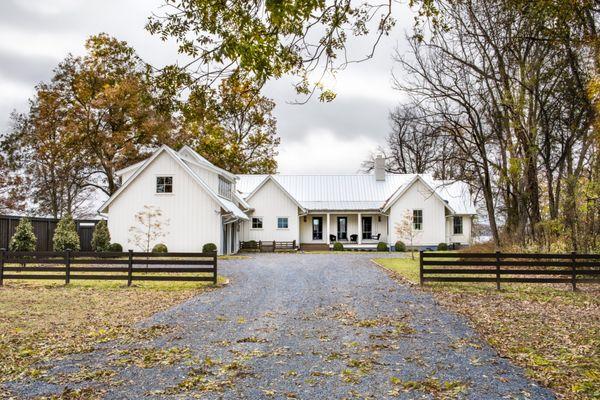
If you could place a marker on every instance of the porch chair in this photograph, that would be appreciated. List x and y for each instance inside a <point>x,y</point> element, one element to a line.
<point>354,238</point>
<point>332,238</point>
<point>376,237</point>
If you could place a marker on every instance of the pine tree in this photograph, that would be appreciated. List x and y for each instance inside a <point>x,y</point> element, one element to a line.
<point>65,235</point>
<point>101,237</point>
<point>24,239</point>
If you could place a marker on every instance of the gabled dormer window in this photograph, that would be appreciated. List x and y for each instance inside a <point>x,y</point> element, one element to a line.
<point>225,188</point>
<point>164,184</point>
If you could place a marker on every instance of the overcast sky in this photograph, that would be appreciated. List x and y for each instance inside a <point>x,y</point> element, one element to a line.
<point>316,138</point>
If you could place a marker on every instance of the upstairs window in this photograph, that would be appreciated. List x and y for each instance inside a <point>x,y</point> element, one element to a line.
<point>418,220</point>
<point>164,184</point>
<point>458,225</point>
<point>225,188</point>
<point>282,222</point>
<point>257,222</point>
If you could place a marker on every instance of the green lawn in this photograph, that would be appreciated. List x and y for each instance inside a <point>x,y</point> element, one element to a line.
<point>549,330</point>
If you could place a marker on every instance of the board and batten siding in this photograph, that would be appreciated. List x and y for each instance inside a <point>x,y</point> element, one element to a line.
<point>465,238</point>
<point>194,217</point>
<point>418,196</point>
<point>270,202</point>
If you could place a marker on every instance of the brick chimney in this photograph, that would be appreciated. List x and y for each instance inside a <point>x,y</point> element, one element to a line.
<point>379,168</point>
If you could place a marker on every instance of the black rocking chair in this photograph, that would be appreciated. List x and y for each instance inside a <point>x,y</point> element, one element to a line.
<point>332,238</point>
<point>354,238</point>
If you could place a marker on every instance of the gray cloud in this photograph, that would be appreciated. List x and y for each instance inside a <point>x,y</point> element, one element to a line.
<point>26,69</point>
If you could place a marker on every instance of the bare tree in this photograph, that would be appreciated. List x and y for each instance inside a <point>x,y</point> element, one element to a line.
<point>406,230</point>
<point>150,226</point>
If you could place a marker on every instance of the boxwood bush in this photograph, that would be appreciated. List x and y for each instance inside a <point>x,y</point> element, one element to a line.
<point>382,246</point>
<point>337,246</point>
<point>209,248</point>
<point>115,247</point>
<point>442,247</point>
<point>400,246</point>
<point>160,248</point>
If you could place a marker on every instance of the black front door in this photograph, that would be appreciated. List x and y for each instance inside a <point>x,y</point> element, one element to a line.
<point>342,228</point>
<point>317,228</point>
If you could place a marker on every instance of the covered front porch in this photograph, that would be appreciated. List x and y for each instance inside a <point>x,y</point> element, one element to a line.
<point>355,230</point>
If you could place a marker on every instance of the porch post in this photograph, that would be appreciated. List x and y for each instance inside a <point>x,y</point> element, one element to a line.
<point>327,230</point>
<point>359,228</point>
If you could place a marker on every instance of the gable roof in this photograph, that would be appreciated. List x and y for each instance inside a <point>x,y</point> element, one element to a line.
<point>200,161</point>
<point>403,189</point>
<point>227,205</point>
<point>357,192</point>
<point>269,178</point>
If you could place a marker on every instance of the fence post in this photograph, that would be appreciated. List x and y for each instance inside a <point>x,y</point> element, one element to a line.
<point>273,246</point>
<point>2,255</point>
<point>130,268</point>
<point>68,266</point>
<point>574,272</point>
<point>294,244</point>
<point>421,267</point>
<point>497,270</point>
<point>260,246</point>
<point>215,268</point>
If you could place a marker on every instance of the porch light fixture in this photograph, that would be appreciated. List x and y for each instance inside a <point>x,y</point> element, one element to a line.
<point>379,218</point>
<point>305,218</point>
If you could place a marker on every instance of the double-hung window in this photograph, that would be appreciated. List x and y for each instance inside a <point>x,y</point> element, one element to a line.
<point>257,222</point>
<point>458,225</point>
<point>164,184</point>
<point>418,220</point>
<point>282,223</point>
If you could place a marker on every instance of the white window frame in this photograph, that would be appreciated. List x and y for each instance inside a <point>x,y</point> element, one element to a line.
<point>413,220</point>
<point>172,185</point>
<point>262,223</point>
<point>287,223</point>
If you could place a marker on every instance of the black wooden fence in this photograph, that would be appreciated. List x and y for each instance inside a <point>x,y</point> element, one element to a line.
<point>43,228</point>
<point>268,246</point>
<point>126,266</point>
<point>500,268</point>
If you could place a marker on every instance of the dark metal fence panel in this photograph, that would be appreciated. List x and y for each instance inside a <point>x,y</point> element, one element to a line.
<point>44,228</point>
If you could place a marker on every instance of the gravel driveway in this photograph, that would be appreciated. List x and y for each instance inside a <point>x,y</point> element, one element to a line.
<point>307,326</point>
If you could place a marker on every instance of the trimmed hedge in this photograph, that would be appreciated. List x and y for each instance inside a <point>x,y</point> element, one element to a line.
<point>115,247</point>
<point>382,246</point>
<point>400,246</point>
<point>209,248</point>
<point>160,248</point>
<point>442,247</point>
<point>337,246</point>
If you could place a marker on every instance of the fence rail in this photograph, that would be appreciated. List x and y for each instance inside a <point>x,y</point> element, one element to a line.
<point>124,266</point>
<point>572,268</point>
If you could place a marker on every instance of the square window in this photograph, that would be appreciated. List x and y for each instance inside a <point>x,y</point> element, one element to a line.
<point>282,222</point>
<point>164,184</point>
<point>257,222</point>
<point>458,225</point>
<point>418,220</point>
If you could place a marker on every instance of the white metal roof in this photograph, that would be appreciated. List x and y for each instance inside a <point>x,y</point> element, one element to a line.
<point>356,192</point>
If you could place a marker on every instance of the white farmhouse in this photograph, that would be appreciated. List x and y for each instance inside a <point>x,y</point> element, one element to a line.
<point>206,204</point>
